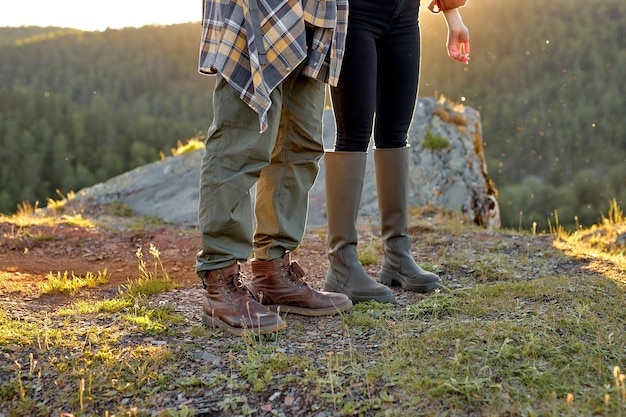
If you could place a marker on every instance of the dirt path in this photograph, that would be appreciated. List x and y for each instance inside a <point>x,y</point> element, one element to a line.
<point>31,255</point>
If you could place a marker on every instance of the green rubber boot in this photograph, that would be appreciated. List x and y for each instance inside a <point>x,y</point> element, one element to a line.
<point>398,266</point>
<point>344,173</point>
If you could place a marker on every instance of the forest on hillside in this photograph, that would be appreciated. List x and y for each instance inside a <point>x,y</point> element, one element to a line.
<point>77,108</point>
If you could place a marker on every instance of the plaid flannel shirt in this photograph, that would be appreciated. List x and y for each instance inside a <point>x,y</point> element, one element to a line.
<point>230,48</point>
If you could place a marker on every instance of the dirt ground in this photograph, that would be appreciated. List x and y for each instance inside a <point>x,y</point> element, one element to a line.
<point>29,255</point>
<point>45,250</point>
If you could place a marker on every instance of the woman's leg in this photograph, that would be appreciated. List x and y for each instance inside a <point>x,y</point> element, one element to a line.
<point>398,76</point>
<point>354,101</point>
<point>398,79</point>
<point>354,98</point>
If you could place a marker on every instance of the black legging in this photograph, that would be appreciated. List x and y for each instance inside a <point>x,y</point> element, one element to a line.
<point>379,75</point>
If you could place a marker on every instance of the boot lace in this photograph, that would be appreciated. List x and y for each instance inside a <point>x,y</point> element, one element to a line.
<point>235,287</point>
<point>295,273</point>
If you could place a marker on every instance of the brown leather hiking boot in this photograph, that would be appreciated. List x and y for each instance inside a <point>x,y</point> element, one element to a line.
<point>278,284</point>
<point>228,305</point>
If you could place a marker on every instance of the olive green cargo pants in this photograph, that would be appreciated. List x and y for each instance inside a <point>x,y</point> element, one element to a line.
<point>283,162</point>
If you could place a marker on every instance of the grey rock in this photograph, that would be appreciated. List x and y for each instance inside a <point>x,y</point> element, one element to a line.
<point>207,357</point>
<point>167,189</point>
<point>455,177</point>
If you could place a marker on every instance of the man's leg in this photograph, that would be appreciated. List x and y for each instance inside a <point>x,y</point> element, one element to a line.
<point>234,156</point>
<point>282,203</point>
<point>283,189</point>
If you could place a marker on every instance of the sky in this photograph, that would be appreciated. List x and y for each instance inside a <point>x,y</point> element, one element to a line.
<point>91,16</point>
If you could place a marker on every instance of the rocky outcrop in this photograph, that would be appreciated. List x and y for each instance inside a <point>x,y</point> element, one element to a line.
<point>453,176</point>
<point>167,189</point>
<point>448,169</point>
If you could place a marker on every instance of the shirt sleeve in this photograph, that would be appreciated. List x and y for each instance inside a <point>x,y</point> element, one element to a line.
<point>437,6</point>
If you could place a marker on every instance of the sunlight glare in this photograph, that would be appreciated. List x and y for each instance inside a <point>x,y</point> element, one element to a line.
<point>91,16</point>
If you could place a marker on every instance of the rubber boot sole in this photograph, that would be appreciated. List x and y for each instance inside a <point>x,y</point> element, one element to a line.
<point>356,298</point>
<point>390,277</point>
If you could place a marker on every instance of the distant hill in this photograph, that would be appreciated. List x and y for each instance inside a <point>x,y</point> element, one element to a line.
<point>77,108</point>
<point>10,35</point>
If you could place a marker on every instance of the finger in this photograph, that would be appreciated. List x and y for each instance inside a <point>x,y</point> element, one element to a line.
<point>455,52</point>
<point>458,56</point>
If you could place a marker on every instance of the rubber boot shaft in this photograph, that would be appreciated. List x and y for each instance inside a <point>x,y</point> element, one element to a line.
<point>344,175</point>
<point>392,188</point>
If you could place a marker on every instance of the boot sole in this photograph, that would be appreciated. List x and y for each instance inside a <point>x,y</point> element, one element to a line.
<point>391,278</point>
<point>213,322</point>
<point>384,299</point>
<point>311,312</point>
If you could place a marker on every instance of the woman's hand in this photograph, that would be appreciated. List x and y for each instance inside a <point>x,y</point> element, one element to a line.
<point>458,36</point>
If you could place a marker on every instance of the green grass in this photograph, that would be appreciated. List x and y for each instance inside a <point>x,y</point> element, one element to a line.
<point>369,252</point>
<point>193,144</point>
<point>152,279</point>
<point>521,335</point>
<point>508,346</point>
<point>80,344</point>
<point>71,284</point>
<point>433,141</point>
<point>109,305</point>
